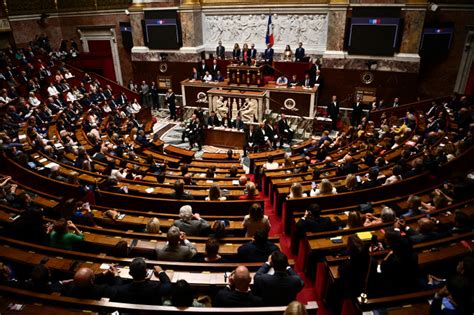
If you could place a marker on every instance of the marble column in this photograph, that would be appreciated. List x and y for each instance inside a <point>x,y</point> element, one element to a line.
<point>412,30</point>
<point>336,29</point>
<point>191,26</point>
<point>136,17</point>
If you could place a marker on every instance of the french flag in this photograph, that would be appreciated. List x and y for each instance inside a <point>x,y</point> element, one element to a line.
<point>270,39</point>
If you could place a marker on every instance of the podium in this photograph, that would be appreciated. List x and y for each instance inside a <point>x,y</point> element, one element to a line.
<point>245,75</point>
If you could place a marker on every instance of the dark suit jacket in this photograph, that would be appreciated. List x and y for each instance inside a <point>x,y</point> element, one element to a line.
<point>333,110</point>
<point>236,53</point>
<point>278,289</point>
<point>213,121</point>
<point>282,126</point>
<point>259,136</point>
<point>145,292</point>
<point>220,52</point>
<point>213,70</point>
<point>238,124</point>
<point>268,54</point>
<point>309,83</point>
<point>230,298</point>
<point>253,53</point>
<point>318,80</point>
<point>250,252</point>
<point>299,53</point>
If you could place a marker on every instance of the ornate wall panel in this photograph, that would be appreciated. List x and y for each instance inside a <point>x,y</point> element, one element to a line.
<point>289,29</point>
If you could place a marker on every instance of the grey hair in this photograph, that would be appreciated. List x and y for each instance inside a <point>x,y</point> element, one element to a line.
<point>186,213</point>
<point>387,214</point>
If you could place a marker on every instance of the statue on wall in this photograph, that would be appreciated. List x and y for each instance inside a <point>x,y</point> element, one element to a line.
<point>248,111</point>
<point>221,107</point>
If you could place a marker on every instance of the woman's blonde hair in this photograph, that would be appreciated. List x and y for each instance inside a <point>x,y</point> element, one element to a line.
<point>325,187</point>
<point>153,226</point>
<point>296,190</point>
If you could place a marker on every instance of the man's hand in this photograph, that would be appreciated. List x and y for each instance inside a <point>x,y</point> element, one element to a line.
<point>157,269</point>
<point>269,261</point>
<point>197,216</point>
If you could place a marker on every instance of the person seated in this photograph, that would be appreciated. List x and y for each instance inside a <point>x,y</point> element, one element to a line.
<point>312,221</point>
<point>218,77</point>
<point>153,226</point>
<point>182,296</point>
<point>414,207</point>
<point>40,281</point>
<point>195,75</point>
<point>215,194</point>
<point>258,249</point>
<point>282,81</point>
<point>425,232</point>
<point>191,224</point>
<point>207,77</point>
<point>179,192</point>
<point>293,82</point>
<point>178,248</point>
<point>141,290</point>
<point>286,133</point>
<point>270,164</point>
<point>213,120</point>
<point>280,287</point>
<point>237,293</point>
<point>296,191</point>
<point>255,221</point>
<point>386,216</point>
<point>212,252</point>
<point>238,123</point>
<point>87,285</point>
<point>373,179</point>
<point>250,192</point>
<point>325,188</point>
<point>453,299</point>
<point>60,235</point>
<point>211,172</point>
<point>350,184</point>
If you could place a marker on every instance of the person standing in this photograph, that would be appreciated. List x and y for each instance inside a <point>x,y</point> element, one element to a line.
<point>268,54</point>
<point>154,94</point>
<point>220,51</point>
<point>170,99</point>
<point>299,53</point>
<point>145,94</point>
<point>333,111</point>
<point>356,114</point>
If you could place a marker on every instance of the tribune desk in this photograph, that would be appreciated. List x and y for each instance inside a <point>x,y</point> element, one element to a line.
<point>224,137</point>
<point>195,94</point>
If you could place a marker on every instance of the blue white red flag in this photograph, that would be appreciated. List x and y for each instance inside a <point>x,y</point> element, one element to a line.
<point>269,39</point>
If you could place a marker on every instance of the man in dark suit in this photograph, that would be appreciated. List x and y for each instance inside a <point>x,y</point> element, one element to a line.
<point>85,286</point>
<point>202,68</point>
<point>214,68</point>
<point>312,221</point>
<point>220,51</point>
<point>212,120</point>
<point>396,102</point>
<point>170,99</point>
<point>270,132</point>
<point>372,180</point>
<point>318,79</point>
<point>237,293</point>
<point>249,138</point>
<point>253,52</point>
<point>356,114</point>
<point>333,111</point>
<point>299,52</point>
<point>142,290</point>
<point>307,82</point>
<point>258,249</point>
<point>260,136</point>
<point>268,54</point>
<point>179,192</point>
<point>286,133</point>
<point>178,248</point>
<point>281,287</point>
<point>238,123</point>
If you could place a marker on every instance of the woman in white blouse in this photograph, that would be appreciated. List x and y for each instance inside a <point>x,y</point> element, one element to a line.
<point>33,100</point>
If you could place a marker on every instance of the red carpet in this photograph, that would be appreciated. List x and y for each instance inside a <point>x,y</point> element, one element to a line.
<point>307,294</point>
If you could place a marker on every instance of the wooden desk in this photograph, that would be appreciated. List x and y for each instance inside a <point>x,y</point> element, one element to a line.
<point>228,138</point>
<point>245,75</point>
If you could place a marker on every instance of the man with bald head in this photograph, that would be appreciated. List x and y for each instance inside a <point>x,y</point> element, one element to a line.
<point>84,285</point>
<point>237,293</point>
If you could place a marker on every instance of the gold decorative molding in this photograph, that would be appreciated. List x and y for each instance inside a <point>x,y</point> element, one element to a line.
<point>259,2</point>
